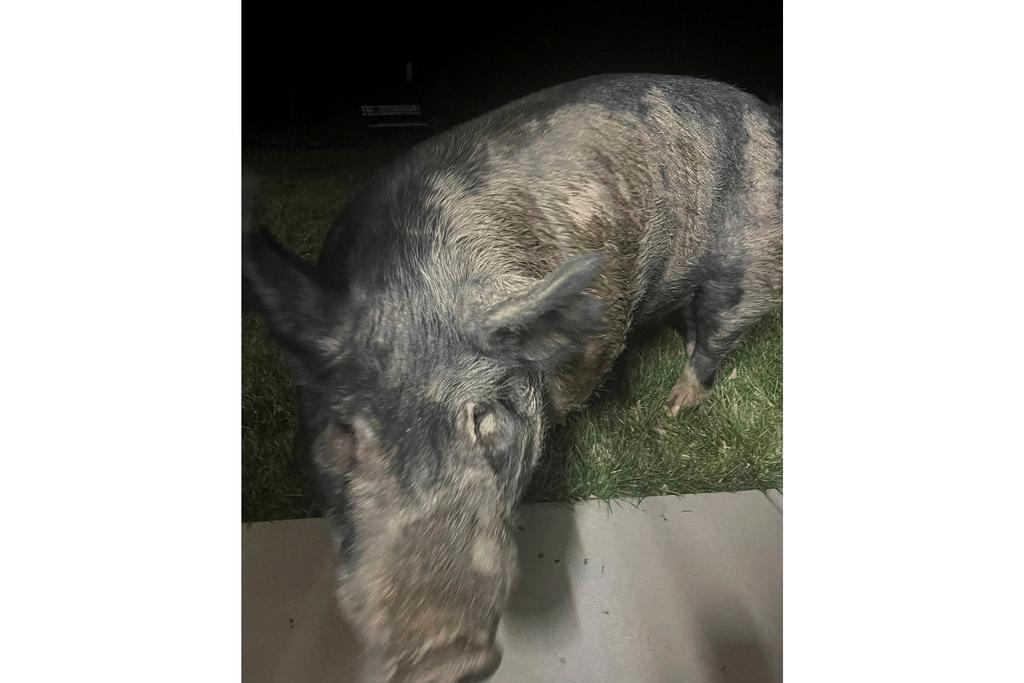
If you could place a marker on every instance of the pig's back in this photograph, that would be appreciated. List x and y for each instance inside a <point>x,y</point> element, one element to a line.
<point>654,170</point>
<point>665,174</point>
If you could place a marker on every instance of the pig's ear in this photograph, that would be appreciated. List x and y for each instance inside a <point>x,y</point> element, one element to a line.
<point>281,287</point>
<point>550,320</point>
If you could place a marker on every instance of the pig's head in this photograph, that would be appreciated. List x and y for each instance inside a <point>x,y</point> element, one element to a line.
<point>423,415</point>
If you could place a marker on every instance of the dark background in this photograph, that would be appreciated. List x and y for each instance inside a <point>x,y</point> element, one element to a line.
<point>306,71</point>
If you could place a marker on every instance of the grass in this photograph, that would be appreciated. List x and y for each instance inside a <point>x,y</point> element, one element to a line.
<point>620,446</point>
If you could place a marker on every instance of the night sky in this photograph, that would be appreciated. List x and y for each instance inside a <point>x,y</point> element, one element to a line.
<point>305,73</point>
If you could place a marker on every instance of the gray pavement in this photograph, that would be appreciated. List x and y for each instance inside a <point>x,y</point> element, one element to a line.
<point>685,588</point>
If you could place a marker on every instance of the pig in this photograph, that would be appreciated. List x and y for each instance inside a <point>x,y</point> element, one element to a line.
<point>474,293</point>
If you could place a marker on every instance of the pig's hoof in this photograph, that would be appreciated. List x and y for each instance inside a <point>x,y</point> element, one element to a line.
<point>687,393</point>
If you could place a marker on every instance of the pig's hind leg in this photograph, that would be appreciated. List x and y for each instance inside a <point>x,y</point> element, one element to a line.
<point>714,322</point>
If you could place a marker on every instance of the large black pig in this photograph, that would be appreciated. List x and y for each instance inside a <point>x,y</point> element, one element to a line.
<point>477,290</point>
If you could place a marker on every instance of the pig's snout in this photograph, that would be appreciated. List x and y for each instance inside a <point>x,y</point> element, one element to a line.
<point>452,664</point>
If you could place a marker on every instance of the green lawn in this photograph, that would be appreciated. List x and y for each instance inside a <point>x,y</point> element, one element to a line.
<point>620,446</point>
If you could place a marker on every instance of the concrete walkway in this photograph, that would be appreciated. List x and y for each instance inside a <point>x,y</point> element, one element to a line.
<point>684,588</point>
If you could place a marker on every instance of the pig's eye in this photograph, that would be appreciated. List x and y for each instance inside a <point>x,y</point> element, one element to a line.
<point>488,419</point>
<point>335,448</point>
<point>480,412</point>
